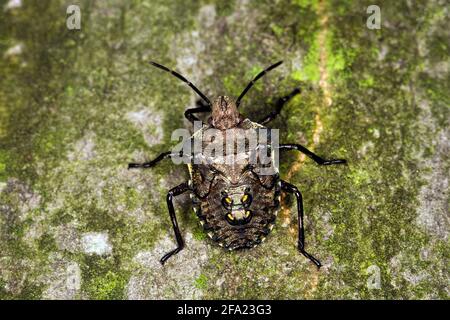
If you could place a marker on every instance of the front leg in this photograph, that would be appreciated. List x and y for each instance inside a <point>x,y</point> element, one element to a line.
<point>316,158</point>
<point>180,243</point>
<point>287,187</point>
<point>162,156</point>
<point>201,107</point>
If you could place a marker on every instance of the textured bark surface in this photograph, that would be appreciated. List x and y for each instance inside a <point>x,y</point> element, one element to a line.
<point>77,106</point>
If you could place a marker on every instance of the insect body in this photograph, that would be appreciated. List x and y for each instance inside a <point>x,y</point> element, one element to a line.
<point>236,205</point>
<point>235,202</point>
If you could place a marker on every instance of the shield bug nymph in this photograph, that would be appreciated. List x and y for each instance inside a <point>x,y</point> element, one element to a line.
<point>236,201</point>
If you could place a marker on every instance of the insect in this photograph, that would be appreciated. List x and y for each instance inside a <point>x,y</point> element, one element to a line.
<point>236,205</point>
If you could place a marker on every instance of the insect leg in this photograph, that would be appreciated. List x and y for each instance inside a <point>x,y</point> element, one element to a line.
<point>180,243</point>
<point>152,163</point>
<point>290,188</point>
<point>201,107</point>
<point>279,105</point>
<point>312,155</point>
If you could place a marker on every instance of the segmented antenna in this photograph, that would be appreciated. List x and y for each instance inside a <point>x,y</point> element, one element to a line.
<point>179,76</point>
<point>262,73</point>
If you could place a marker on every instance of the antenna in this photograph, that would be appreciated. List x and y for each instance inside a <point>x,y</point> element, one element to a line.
<point>262,73</point>
<point>179,76</point>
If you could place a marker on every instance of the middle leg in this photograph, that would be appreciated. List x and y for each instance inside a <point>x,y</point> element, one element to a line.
<point>312,155</point>
<point>162,156</point>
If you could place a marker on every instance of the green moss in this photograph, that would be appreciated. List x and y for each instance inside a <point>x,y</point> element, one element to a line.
<point>367,81</point>
<point>201,282</point>
<point>224,8</point>
<point>277,29</point>
<point>360,177</point>
<point>199,234</point>
<point>132,199</point>
<point>101,281</point>
<point>47,243</point>
<point>310,69</point>
<point>3,159</point>
<point>107,287</point>
<point>307,3</point>
<point>231,85</point>
<point>30,291</point>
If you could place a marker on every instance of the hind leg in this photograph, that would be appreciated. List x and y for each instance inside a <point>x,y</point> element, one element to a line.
<point>180,189</point>
<point>290,188</point>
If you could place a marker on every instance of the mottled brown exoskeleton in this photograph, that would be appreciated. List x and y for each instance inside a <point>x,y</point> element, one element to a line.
<point>236,204</point>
